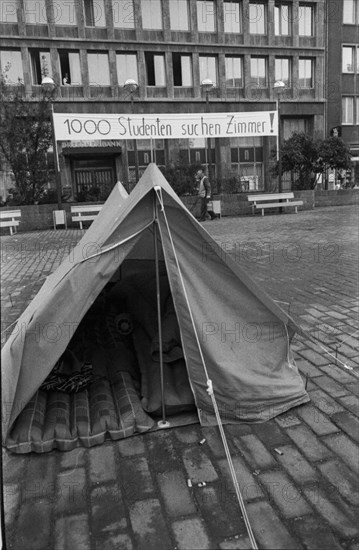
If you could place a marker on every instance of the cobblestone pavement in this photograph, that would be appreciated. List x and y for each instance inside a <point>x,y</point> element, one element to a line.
<point>133,494</point>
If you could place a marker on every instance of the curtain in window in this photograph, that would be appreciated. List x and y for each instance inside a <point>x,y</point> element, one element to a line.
<point>99,73</point>
<point>75,69</point>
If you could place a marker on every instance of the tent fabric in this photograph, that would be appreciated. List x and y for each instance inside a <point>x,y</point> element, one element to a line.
<point>223,316</point>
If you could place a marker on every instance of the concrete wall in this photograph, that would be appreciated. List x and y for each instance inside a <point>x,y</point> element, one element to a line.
<point>39,217</point>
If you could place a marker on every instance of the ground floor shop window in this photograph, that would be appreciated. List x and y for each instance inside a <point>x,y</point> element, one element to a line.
<point>94,178</point>
<point>146,152</point>
<point>247,163</point>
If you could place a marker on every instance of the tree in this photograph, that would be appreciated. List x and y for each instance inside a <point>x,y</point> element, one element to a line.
<point>25,137</point>
<point>299,155</point>
<point>306,157</point>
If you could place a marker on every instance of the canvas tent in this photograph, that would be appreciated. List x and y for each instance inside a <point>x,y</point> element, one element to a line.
<point>216,324</point>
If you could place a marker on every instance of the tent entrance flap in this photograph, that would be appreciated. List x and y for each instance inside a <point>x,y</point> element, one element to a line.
<point>108,383</point>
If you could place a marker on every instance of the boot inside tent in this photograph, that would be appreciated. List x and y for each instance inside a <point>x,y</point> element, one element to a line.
<point>156,314</point>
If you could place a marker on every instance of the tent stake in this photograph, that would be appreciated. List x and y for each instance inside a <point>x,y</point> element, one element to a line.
<point>163,423</point>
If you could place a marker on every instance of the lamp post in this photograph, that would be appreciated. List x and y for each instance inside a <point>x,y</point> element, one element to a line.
<point>207,86</point>
<point>48,86</point>
<point>279,87</point>
<point>131,86</point>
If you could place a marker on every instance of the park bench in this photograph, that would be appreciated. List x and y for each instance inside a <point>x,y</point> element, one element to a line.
<point>8,219</point>
<point>272,200</point>
<point>85,213</point>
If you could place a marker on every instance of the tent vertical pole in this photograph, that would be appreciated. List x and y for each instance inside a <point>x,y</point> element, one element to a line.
<point>163,423</point>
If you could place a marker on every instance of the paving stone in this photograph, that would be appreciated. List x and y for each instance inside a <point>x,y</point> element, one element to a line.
<point>307,368</point>
<point>71,492</point>
<point>247,484</point>
<point>102,464</point>
<point>72,532</point>
<point>11,496</point>
<point>268,529</point>
<point>40,475</point>
<point>33,526</point>
<point>188,434</point>
<point>162,453</point>
<point>190,533</point>
<point>13,467</point>
<point>287,419</point>
<point>136,480</point>
<point>255,453</point>
<point>238,543</point>
<point>319,422</point>
<point>121,541</point>
<point>148,526</point>
<point>73,459</point>
<point>351,402</point>
<point>313,357</point>
<point>348,423</point>
<point>331,509</point>
<point>198,465</point>
<point>238,429</point>
<point>131,446</point>
<point>329,385</point>
<point>342,479</point>
<point>315,534</point>
<point>285,494</point>
<point>296,465</point>
<point>175,493</point>
<point>214,442</point>
<point>308,442</point>
<point>108,513</point>
<point>271,434</point>
<point>325,403</point>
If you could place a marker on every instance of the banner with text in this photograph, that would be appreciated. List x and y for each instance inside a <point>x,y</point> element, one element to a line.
<point>82,127</point>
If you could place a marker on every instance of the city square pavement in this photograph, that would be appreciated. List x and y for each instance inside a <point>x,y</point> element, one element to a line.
<point>297,472</point>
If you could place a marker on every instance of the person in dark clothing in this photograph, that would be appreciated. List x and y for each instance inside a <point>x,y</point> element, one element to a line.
<point>204,193</point>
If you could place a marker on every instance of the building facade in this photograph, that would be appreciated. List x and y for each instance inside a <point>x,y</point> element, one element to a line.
<point>91,47</point>
<point>343,77</point>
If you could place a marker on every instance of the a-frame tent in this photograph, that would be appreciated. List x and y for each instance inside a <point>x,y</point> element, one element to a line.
<point>232,333</point>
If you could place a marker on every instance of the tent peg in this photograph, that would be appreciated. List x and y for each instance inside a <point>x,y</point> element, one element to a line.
<point>162,424</point>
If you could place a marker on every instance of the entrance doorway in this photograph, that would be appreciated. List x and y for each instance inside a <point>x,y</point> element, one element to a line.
<point>94,178</point>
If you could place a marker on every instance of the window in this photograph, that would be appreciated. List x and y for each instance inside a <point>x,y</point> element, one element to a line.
<point>11,66</point>
<point>8,11</point>
<point>151,14</point>
<point>348,110</point>
<point>99,71</point>
<point>179,15</point>
<point>123,14</point>
<point>257,23</point>
<point>65,13</point>
<point>283,70</point>
<point>351,12</point>
<point>206,16</point>
<point>208,68</point>
<point>281,20</point>
<point>306,73</point>
<point>126,67</point>
<point>348,53</point>
<point>155,69</point>
<point>234,72</point>
<point>357,110</point>
<point>182,69</point>
<point>35,12</point>
<point>306,16</point>
<point>357,53</point>
<point>231,15</point>
<point>95,13</point>
<point>40,65</point>
<point>70,66</point>
<point>258,71</point>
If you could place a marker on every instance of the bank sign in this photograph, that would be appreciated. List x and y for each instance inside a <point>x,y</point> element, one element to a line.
<point>80,127</point>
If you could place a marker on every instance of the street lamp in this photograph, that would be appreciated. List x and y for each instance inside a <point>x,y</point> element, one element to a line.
<point>279,87</point>
<point>207,86</point>
<point>48,86</point>
<point>131,86</point>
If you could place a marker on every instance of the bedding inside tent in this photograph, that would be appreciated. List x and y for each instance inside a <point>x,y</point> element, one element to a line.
<point>107,383</point>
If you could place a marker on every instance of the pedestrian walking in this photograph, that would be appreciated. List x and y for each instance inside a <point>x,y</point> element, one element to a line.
<point>204,193</point>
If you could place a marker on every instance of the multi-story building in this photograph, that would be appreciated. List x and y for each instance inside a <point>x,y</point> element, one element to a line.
<point>343,76</point>
<point>91,47</point>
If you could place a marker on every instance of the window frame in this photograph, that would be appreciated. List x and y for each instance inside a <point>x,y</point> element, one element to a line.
<point>104,53</point>
<point>310,7</point>
<point>256,80</point>
<point>207,74</point>
<point>280,6</point>
<point>131,74</point>
<point>154,55</point>
<point>181,55</point>
<point>287,82</point>
<point>238,3</point>
<point>355,12</point>
<point>152,11</point>
<point>13,15</point>
<point>172,17</point>
<point>265,19</point>
<point>345,110</point>
<point>214,14</point>
<point>20,79</point>
<point>119,15</point>
<point>304,78</point>
<point>241,78</point>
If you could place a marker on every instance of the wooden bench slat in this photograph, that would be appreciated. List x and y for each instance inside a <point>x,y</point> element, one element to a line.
<point>76,209</point>
<point>278,204</point>
<point>10,214</point>
<point>83,218</point>
<point>11,223</point>
<point>270,196</point>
